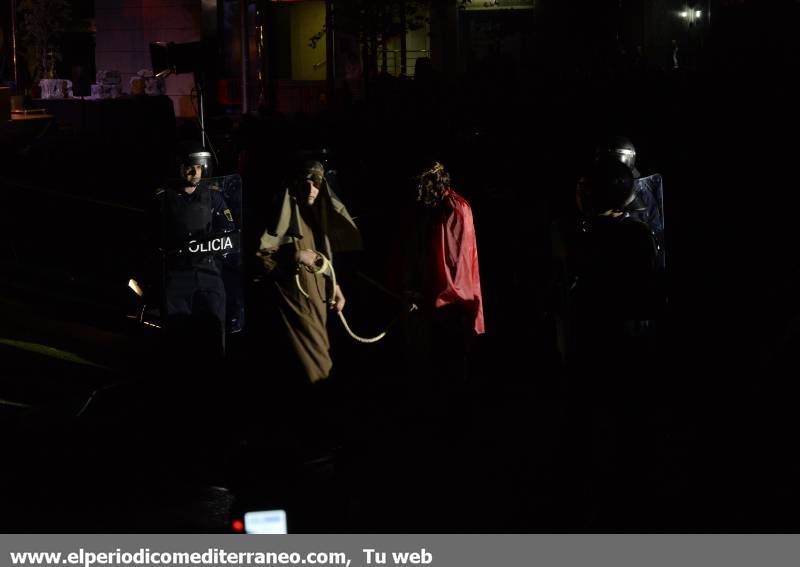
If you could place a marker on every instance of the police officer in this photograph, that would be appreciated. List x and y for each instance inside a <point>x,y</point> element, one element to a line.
<point>608,298</point>
<point>606,268</point>
<point>191,213</point>
<point>647,203</point>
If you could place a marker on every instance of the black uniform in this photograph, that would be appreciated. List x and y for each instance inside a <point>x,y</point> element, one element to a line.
<point>194,293</point>
<point>607,286</point>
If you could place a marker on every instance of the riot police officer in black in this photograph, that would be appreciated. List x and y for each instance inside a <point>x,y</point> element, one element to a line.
<point>608,297</point>
<point>190,212</point>
<point>647,204</point>
<point>607,275</point>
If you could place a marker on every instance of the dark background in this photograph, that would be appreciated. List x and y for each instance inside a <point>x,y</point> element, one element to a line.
<point>707,442</point>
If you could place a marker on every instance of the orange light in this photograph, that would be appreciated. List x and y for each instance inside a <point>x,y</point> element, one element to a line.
<point>238,526</point>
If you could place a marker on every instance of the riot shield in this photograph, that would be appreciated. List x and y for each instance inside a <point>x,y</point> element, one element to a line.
<point>648,207</point>
<point>230,248</point>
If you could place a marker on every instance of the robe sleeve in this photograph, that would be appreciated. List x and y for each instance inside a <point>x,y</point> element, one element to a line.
<point>276,262</point>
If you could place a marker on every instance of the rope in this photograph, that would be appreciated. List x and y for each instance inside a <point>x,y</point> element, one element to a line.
<point>326,264</point>
<point>366,340</point>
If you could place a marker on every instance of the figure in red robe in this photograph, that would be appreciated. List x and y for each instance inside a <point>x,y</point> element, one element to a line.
<point>455,255</point>
<point>443,279</point>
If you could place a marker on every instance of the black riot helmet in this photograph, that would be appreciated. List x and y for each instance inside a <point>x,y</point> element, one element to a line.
<point>607,187</point>
<point>191,152</point>
<point>621,149</point>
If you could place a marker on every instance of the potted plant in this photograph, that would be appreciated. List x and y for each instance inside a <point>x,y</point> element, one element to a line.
<point>41,24</point>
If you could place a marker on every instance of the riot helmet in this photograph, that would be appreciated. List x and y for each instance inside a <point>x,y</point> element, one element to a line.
<point>607,187</point>
<point>192,153</point>
<point>621,149</point>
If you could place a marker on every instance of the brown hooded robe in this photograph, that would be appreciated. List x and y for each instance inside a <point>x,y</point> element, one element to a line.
<point>328,228</point>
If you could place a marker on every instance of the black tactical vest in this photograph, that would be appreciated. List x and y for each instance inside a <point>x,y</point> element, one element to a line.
<point>187,218</point>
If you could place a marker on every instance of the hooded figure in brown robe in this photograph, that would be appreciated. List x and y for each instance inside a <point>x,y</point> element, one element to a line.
<point>297,250</point>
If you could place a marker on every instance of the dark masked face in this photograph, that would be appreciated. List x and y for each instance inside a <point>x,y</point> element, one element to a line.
<point>606,189</point>
<point>429,194</point>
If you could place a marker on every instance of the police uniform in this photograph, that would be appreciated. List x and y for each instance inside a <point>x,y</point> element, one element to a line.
<point>194,293</point>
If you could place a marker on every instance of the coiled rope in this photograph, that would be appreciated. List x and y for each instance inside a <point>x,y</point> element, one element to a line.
<point>327,265</point>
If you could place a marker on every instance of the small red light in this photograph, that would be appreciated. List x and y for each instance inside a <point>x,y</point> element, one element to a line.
<point>238,526</point>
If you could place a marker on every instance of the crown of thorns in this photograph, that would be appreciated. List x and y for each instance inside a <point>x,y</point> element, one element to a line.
<point>437,168</point>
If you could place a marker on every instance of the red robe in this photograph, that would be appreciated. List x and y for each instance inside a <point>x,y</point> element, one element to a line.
<point>456,257</point>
